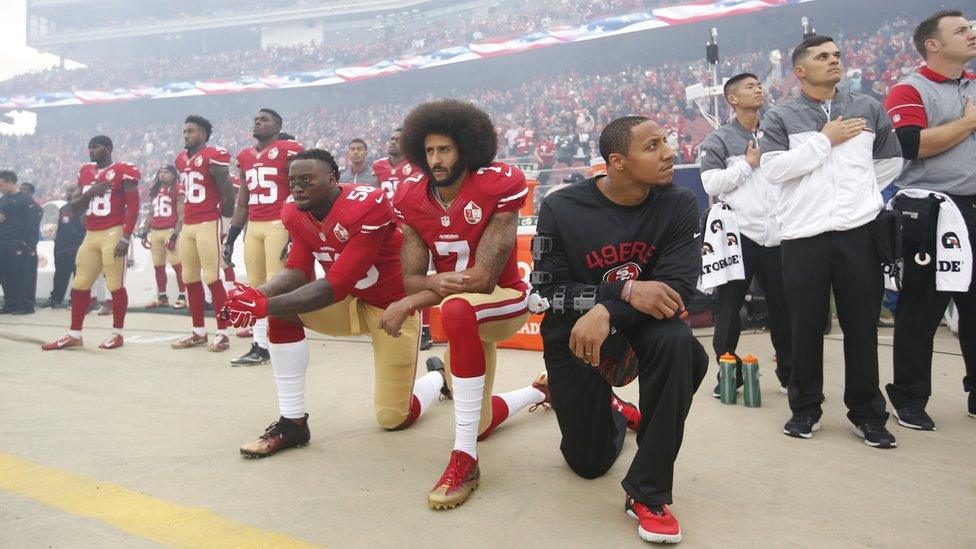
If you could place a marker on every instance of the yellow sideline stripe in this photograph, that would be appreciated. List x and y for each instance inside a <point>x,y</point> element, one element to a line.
<point>152,518</point>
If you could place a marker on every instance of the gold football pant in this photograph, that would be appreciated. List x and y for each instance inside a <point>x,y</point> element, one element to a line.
<point>263,244</point>
<point>158,239</point>
<point>199,246</point>
<point>394,358</point>
<point>96,255</point>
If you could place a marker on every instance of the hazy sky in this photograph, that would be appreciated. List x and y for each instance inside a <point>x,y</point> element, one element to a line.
<point>15,56</point>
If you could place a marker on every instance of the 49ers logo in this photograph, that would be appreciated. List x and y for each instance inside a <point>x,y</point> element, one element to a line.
<point>627,271</point>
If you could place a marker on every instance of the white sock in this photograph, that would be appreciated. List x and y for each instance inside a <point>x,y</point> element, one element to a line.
<point>117,331</point>
<point>427,388</point>
<point>290,362</point>
<point>520,398</point>
<point>222,332</point>
<point>75,334</point>
<point>199,331</point>
<point>261,332</point>
<point>468,394</point>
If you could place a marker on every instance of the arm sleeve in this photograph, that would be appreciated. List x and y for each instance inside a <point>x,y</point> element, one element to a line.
<point>717,176</point>
<point>355,261</point>
<point>131,211</point>
<point>910,138</point>
<point>781,164</point>
<point>904,106</point>
<point>512,197</point>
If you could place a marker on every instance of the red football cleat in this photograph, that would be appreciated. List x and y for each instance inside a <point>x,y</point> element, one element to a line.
<point>113,342</point>
<point>192,340</point>
<point>541,384</point>
<point>631,413</point>
<point>63,343</point>
<point>461,477</point>
<point>654,522</point>
<point>245,332</point>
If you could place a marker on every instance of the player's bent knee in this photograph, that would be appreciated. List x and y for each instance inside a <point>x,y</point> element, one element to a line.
<point>588,467</point>
<point>392,419</point>
<point>284,331</point>
<point>454,311</point>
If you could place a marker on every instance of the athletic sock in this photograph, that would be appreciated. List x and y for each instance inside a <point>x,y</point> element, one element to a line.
<point>161,279</point>
<point>80,300</point>
<point>218,295</point>
<point>290,362</point>
<point>426,389</point>
<point>178,269</point>
<point>195,297</point>
<point>261,333</point>
<point>468,394</point>
<point>120,303</point>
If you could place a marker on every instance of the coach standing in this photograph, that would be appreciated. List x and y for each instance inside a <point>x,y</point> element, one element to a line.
<point>934,111</point>
<point>831,152</point>
<point>15,225</point>
<point>729,161</point>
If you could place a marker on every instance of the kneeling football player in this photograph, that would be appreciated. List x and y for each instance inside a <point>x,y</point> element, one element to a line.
<point>349,229</point>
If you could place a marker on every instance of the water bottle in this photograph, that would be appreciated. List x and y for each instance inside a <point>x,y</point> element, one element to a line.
<point>750,389</point>
<point>726,378</point>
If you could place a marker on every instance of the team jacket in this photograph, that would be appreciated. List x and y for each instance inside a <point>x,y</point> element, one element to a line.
<point>596,242</point>
<point>825,188</point>
<point>726,175</point>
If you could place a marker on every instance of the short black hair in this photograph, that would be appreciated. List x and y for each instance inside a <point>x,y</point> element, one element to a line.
<point>28,187</point>
<point>8,175</point>
<point>734,81</point>
<point>929,27</point>
<point>810,42</point>
<point>397,129</point>
<point>103,140</point>
<point>358,140</point>
<point>274,115</point>
<point>320,155</point>
<point>469,127</point>
<point>285,136</point>
<point>202,122</point>
<point>616,137</point>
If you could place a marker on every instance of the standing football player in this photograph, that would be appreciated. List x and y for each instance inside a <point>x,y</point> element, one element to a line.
<point>108,194</point>
<point>207,192</point>
<point>264,189</point>
<point>160,233</point>
<point>462,208</point>
<point>349,230</point>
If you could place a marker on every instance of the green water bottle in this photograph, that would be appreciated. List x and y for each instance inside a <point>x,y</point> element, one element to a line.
<point>726,378</point>
<point>750,389</point>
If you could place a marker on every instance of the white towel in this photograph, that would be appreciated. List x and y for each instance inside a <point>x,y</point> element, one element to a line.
<point>721,249</point>
<point>953,256</point>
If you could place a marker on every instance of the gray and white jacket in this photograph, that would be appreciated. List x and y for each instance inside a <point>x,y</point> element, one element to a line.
<point>825,188</point>
<point>726,175</point>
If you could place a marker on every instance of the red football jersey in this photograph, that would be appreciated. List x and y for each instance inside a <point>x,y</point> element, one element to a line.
<point>357,244</point>
<point>107,210</point>
<point>164,207</point>
<point>452,235</point>
<point>388,177</point>
<point>266,174</point>
<point>202,196</point>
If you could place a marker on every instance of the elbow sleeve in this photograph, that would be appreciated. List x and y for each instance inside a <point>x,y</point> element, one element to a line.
<point>910,138</point>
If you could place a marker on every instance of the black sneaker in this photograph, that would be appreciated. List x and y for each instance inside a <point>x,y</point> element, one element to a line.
<point>281,434</point>
<point>435,364</point>
<point>972,404</point>
<point>801,426</point>
<point>29,311</point>
<point>739,382</point>
<point>255,357</point>
<point>426,342</point>
<point>914,418</point>
<point>51,304</point>
<point>875,436</point>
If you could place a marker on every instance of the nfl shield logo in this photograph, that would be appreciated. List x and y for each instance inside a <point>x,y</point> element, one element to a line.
<point>445,221</point>
<point>341,233</point>
<point>273,153</point>
<point>472,213</point>
<point>110,175</point>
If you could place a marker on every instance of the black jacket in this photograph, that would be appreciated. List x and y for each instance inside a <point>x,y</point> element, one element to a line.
<point>17,230</point>
<point>596,242</point>
<point>71,230</point>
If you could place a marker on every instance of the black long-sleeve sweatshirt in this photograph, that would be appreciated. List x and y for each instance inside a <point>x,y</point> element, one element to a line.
<point>596,242</point>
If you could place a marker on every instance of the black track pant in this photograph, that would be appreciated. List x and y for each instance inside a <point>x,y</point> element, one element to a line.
<point>64,267</point>
<point>920,309</point>
<point>672,366</point>
<point>848,262</point>
<point>13,265</point>
<point>765,263</point>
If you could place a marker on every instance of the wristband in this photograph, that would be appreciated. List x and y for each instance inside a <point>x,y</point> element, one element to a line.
<point>625,293</point>
<point>124,239</point>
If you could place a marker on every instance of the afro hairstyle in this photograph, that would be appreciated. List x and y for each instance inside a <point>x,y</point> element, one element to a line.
<point>469,127</point>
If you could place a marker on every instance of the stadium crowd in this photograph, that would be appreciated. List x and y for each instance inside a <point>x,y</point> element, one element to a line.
<point>162,68</point>
<point>557,117</point>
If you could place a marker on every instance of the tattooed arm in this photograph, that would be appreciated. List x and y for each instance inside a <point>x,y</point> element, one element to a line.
<point>493,251</point>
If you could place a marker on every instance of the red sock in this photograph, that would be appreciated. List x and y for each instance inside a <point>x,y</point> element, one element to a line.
<point>282,331</point>
<point>160,279</point>
<point>461,327</point>
<point>229,275</point>
<point>413,415</point>
<point>194,294</point>
<point>218,295</point>
<point>499,413</point>
<point>120,302</point>
<point>179,277</point>
<point>80,300</point>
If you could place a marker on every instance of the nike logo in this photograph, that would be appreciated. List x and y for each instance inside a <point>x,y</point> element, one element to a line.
<point>697,235</point>
<point>246,303</point>
<point>509,172</point>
